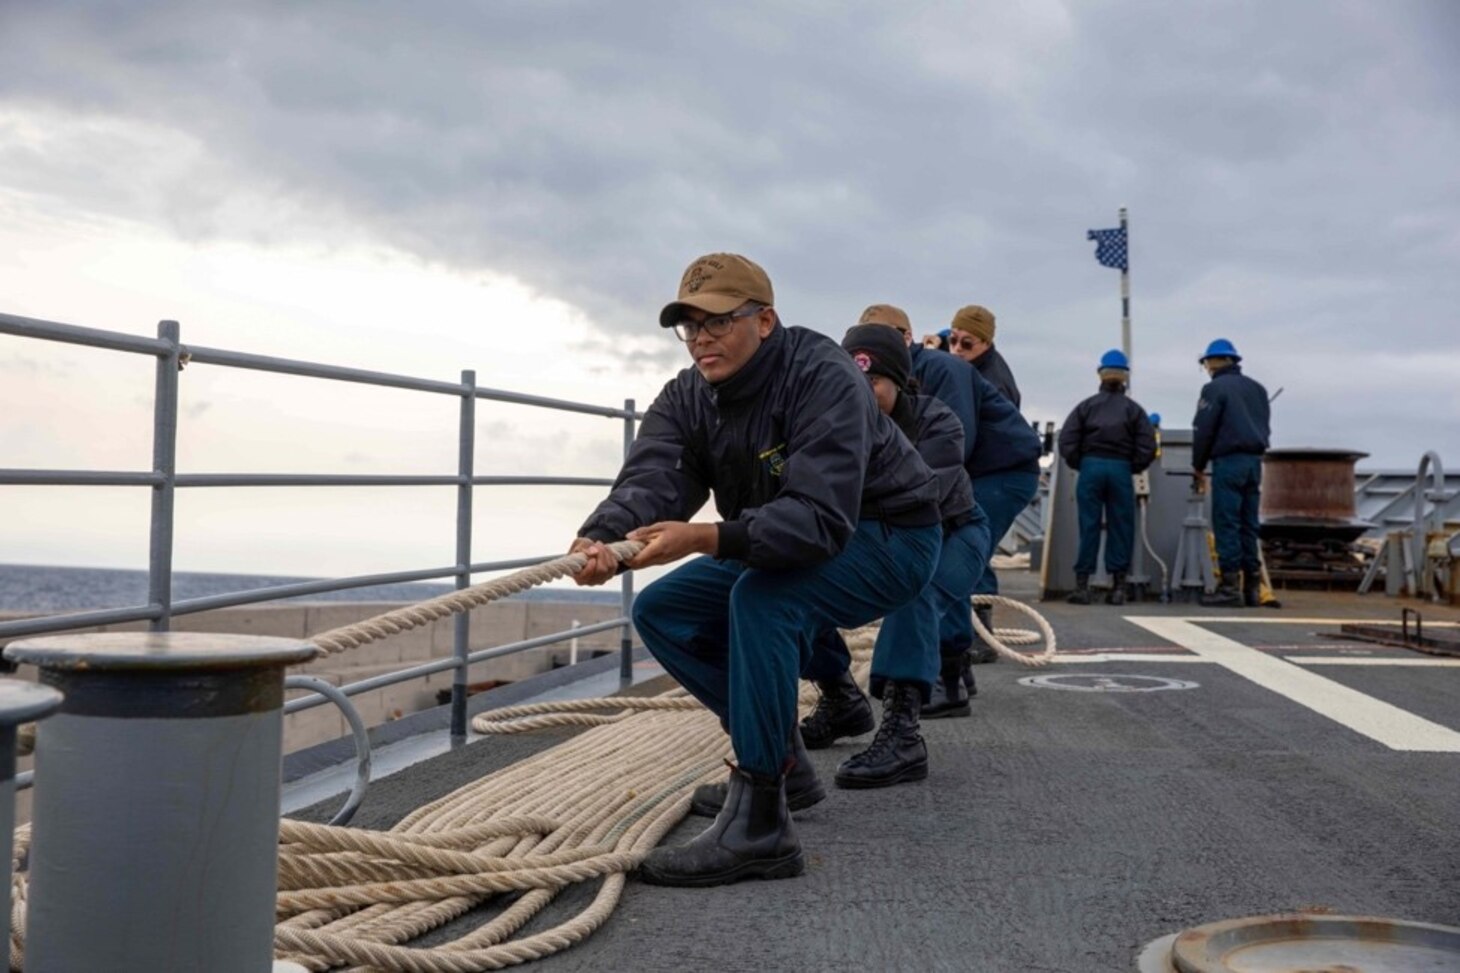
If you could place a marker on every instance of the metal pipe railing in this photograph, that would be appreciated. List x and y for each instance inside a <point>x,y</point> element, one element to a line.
<point>164,464</point>
<point>441,665</point>
<point>461,634</point>
<point>74,335</point>
<point>78,478</point>
<point>163,480</point>
<point>626,647</point>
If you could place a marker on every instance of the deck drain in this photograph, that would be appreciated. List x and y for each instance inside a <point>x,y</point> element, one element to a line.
<point>1311,943</point>
<point>1094,682</point>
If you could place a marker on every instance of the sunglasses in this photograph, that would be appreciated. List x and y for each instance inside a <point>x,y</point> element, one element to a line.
<point>964,343</point>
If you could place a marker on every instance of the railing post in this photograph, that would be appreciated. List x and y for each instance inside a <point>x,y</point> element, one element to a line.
<point>626,640</point>
<point>466,466</point>
<point>20,702</point>
<point>164,461</point>
<point>1423,577</point>
<point>156,831</point>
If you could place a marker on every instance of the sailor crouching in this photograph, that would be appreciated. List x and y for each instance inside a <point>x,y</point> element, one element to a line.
<point>905,659</point>
<point>828,519</point>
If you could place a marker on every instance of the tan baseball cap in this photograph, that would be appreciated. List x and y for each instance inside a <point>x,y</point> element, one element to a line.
<point>977,321</point>
<point>886,314</point>
<point>718,283</point>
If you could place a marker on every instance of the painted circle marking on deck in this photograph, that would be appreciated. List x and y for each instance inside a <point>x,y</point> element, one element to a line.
<point>1095,682</point>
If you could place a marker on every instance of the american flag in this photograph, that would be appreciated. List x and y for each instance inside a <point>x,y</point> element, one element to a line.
<point>1109,247</point>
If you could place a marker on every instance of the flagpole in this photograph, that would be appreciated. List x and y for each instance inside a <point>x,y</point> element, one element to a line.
<point>1125,289</point>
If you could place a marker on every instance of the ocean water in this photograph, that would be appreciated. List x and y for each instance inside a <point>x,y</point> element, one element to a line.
<point>38,588</point>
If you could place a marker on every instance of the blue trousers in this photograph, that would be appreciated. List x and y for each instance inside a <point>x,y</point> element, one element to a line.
<point>1003,496</point>
<point>909,642</point>
<point>738,638</point>
<point>1236,491</point>
<point>1104,488</point>
<point>967,551</point>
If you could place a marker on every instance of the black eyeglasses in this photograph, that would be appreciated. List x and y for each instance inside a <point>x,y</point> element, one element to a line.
<point>718,326</point>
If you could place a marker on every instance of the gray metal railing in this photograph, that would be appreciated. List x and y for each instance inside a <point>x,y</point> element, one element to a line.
<point>163,480</point>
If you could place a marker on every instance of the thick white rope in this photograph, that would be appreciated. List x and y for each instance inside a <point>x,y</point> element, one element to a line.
<point>1002,638</point>
<point>425,612</point>
<point>588,809</point>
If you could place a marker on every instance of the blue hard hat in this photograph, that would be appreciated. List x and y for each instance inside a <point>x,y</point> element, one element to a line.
<point>1114,358</point>
<point>1155,418</point>
<point>1221,348</point>
<point>945,332</point>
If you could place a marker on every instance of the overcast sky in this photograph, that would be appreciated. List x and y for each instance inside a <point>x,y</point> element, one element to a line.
<point>516,187</point>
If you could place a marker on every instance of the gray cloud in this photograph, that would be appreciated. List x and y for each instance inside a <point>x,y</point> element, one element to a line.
<point>1289,167</point>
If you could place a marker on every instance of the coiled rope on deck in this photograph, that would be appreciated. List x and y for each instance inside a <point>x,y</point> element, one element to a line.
<point>588,809</point>
<point>1001,639</point>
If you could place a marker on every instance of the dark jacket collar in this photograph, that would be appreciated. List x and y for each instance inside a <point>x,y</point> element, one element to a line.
<point>1232,369</point>
<point>905,416</point>
<point>757,373</point>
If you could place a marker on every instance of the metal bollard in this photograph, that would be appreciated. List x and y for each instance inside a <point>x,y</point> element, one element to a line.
<point>155,843</point>
<point>20,702</point>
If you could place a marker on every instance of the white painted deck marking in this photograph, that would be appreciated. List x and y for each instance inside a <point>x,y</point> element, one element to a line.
<point>1350,660</point>
<point>1378,720</point>
<point>1296,620</point>
<point>1300,660</point>
<point>1064,659</point>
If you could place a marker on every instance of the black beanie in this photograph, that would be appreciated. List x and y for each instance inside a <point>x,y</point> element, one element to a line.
<point>880,350</point>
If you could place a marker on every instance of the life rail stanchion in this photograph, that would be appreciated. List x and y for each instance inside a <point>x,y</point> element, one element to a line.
<point>156,815</point>
<point>20,702</point>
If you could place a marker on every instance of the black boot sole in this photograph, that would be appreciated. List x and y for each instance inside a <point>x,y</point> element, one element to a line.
<point>945,713</point>
<point>905,775</point>
<point>795,801</point>
<point>866,724</point>
<point>788,866</point>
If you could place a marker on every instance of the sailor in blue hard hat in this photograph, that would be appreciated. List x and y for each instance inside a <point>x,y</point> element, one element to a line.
<point>1106,439</point>
<point>1220,348</point>
<point>1232,430</point>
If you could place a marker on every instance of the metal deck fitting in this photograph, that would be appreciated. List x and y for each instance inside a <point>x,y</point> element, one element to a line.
<point>157,810</point>
<point>1289,943</point>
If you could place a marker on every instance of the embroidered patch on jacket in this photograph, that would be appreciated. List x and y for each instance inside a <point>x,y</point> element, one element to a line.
<point>774,460</point>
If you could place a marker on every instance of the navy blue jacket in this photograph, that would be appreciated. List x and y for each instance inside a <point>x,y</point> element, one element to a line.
<point>1112,425</point>
<point>991,365</point>
<point>793,447</point>
<point>996,439</point>
<point>946,377</point>
<point>1232,416</point>
<point>935,431</point>
<point>1006,443</point>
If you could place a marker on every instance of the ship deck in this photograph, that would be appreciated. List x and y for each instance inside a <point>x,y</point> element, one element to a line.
<point>1064,830</point>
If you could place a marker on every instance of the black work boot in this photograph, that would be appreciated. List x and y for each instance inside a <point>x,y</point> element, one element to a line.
<point>1226,596</point>
<point>751,837</point>
<point>1117,589</point>
<point>952,690</point>
<point>842,711</point>
<point>981,653</point>
<point>1081,594</point>
<point>897,753</point>
<point>802,788</point>
<point>1252,589</point>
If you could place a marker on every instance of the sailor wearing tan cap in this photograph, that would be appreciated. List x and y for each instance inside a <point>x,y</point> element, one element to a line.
<point>972,339</point>
<point>829,518</point>
<point>906,658</point>
<point>1005,472</point>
